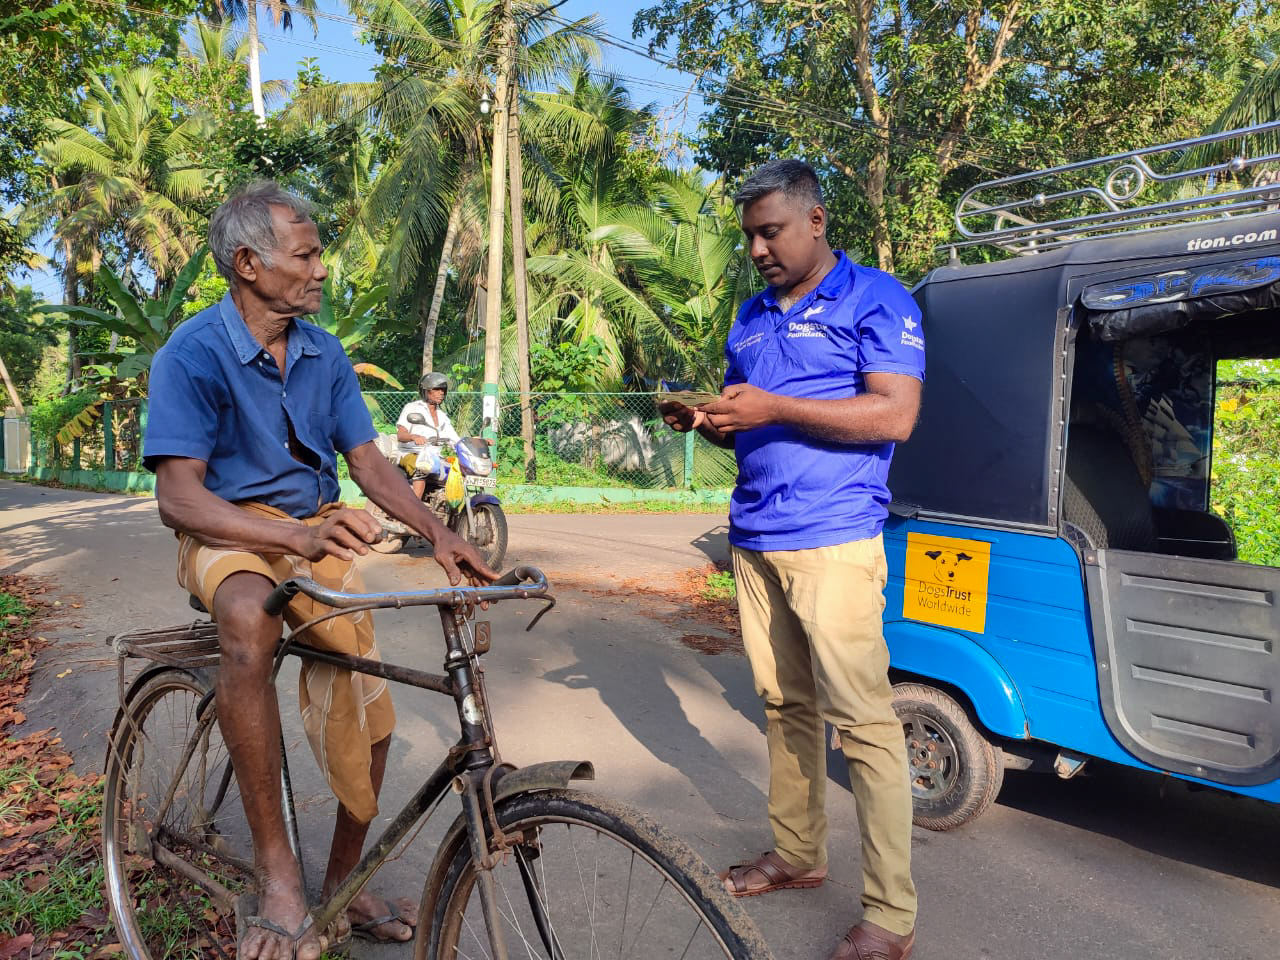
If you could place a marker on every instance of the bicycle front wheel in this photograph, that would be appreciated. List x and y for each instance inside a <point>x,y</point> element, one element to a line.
<point>588,877</point>
<point>176,846</point>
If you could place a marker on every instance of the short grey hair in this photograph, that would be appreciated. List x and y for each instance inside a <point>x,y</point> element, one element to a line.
<point>794,178</point>
<point>244,220</point>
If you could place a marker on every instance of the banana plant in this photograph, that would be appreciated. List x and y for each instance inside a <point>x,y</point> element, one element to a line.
<point>148,324</point>
<point>353,322</point>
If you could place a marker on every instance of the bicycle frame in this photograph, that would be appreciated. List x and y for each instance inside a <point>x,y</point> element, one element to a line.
<point>472,768</point>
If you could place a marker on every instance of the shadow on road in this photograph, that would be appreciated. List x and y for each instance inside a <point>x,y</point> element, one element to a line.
<point>1223,832</point>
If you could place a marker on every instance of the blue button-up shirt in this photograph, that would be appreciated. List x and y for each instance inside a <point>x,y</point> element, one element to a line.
<point>795,491</point>
<point>216,395</point>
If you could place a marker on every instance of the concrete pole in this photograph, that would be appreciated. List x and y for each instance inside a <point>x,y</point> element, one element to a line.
<point>520,281</point>
<point>497,203</point>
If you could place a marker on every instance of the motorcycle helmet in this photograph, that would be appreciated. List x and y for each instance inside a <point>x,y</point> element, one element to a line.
<point>431,381</point>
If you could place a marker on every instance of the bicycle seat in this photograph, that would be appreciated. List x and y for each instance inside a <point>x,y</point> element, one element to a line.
<point>194,602</point>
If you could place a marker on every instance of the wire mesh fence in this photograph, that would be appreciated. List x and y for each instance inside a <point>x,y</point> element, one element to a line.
<point>582,440</point>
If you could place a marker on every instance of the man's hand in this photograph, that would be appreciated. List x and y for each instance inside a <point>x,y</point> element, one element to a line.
<point>680,418</point>
<point>741,407</point>
<point>417,439</point>
<point>461,559</point>
<point>344,534</point>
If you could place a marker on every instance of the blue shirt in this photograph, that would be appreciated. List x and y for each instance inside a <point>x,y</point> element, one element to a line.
<point>216,395</point>
<point>794,490</point>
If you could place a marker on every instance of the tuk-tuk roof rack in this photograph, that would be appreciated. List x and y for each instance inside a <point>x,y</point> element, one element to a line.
<point>1124,193</point>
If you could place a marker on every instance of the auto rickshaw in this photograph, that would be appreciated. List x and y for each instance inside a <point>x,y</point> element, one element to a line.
<point>1059,588</point>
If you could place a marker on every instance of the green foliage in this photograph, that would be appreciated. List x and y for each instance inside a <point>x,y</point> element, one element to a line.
<point>720,586</point>
<point>563,372</point>
<point>23,339</point>
<point>903,105</point>
<point>146,324</point>
<point>48,417</point>
<point>1245,487</point>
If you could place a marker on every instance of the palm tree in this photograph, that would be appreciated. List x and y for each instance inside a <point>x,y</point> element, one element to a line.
<point>440,54</point>
<point>281,13</point>
<point>131,171</point>
<point>216,52</point>
<point>673,281</point>
<point>581,183</point>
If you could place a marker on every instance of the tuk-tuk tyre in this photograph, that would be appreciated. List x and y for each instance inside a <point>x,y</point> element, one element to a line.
<point>979,770</point>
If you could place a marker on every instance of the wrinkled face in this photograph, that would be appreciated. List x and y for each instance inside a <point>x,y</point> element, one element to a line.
<point>784,238</point>
<point>294,283</point>
<point>435,396</point>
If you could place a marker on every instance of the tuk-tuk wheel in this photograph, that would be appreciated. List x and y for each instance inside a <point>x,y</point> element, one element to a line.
<point>955,770</point>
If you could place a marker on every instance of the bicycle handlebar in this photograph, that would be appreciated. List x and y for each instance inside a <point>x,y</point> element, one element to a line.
<point>506,587</point>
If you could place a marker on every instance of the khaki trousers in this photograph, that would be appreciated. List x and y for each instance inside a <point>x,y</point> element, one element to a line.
<point>811,624</point>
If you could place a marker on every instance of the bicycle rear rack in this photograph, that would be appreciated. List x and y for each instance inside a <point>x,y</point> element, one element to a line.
<point>1203,178</point>
<point>192,646</point>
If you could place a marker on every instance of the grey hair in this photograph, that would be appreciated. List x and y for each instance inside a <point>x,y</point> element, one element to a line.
<point>244,220</point>
<point>794,178</point>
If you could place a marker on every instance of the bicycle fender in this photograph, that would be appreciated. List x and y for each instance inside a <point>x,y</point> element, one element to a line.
<point>485,498</point>
<point>550,775</point>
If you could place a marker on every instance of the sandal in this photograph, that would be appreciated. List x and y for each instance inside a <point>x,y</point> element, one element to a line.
<point>262,923</point>
<point>365,928</point>
<point>776,873</point>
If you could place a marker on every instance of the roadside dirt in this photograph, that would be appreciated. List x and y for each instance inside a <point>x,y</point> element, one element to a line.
<point>693,604</point>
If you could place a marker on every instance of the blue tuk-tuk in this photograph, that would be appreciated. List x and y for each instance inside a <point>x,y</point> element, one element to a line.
<point>1059,589</point>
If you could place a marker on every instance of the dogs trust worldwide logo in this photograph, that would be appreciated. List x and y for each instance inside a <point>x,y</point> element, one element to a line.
<point>945,581</point>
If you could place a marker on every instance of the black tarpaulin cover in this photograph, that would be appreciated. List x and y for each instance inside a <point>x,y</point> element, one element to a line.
<point>1160,302</point>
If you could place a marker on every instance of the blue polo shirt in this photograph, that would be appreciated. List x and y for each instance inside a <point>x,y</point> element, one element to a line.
<point>216,395</point>
<point>795,491</point>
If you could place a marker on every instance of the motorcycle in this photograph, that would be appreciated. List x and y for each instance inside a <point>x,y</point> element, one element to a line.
<point>477,517</point>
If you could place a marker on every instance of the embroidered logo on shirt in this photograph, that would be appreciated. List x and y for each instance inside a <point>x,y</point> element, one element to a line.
<point>806,328</point>
<point>909,323</point>
<point>814,311</point>
<point>745,342</point>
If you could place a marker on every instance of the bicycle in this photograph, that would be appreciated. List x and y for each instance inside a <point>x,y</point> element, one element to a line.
<point>530,861</point>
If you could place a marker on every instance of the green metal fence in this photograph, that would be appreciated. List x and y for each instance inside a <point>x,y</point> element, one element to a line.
<point>583,440</point>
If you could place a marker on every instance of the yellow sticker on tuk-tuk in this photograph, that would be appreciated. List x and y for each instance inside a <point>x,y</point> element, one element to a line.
<point>946,581</point>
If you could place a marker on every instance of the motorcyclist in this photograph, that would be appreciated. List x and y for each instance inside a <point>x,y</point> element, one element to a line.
<point>420,443</point>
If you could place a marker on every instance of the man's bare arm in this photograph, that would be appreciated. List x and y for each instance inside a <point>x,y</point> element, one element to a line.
<point>188,507</point>
<point>885,413</point>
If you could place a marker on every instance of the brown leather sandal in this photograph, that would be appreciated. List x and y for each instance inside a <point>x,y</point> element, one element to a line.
<point>866,941</point>
<point>776,873</point>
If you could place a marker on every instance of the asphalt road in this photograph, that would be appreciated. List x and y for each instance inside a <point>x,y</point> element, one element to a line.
<point>1110,864</point>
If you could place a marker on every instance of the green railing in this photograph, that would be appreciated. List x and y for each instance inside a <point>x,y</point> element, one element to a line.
<point>586,447</point>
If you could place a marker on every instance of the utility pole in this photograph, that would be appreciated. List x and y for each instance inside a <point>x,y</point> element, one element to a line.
<point>520,281</point>
<point>497,197</point>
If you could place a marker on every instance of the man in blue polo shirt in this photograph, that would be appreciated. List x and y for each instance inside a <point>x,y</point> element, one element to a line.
<point>249,408</point>
<point>824,375</point>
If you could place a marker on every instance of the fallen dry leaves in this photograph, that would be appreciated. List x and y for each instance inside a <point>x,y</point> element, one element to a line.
<point>34,837</point>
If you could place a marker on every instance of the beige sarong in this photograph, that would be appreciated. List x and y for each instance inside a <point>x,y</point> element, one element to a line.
<point>343,713</point>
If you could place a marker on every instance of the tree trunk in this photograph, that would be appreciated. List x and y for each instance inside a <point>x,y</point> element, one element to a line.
<point>432,319</point>
<point>71,298</point>
<point>520,280</point>
<point>255,70</point>
<point>878,168</point>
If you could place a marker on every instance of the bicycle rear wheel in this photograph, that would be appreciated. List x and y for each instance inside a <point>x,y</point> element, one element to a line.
<point>176,845</point>
<point>588,877</point>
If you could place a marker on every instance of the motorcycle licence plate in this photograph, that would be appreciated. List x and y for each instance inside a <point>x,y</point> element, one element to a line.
<point>482,483</point>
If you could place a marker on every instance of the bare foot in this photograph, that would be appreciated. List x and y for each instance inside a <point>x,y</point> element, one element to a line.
<point>377,918</point>
<point>282,912</point>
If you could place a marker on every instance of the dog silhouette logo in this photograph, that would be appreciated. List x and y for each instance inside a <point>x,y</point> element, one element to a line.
<point>946,563</point>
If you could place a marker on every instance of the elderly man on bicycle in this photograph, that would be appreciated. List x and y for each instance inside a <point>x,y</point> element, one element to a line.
<point>249,408</point>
